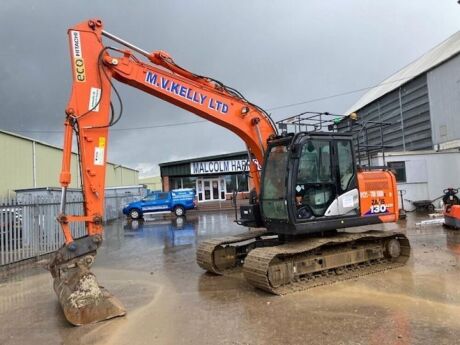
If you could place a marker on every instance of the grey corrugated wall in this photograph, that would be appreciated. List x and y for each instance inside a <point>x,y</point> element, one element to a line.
<point>444,91</point>
<point>407,111</point>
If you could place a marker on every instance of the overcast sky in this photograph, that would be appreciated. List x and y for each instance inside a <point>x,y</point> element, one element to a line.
<point>274,52</point>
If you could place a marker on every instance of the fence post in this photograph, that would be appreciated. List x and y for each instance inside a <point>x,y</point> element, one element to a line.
<point>36,226</point>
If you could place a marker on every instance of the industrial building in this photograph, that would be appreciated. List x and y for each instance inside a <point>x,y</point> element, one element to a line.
<point>28,163</point>
<point>419,107</point>
<point>213,177</point>
<point>151,183</point>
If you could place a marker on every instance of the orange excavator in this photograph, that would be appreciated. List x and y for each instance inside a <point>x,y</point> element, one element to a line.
<point>308,188</point>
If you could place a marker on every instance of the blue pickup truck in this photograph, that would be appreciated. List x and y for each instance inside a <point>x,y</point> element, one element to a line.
<point>177,201</point>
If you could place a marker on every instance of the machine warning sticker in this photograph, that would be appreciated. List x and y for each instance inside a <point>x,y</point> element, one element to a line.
<point>94,99</point>
<point>98,156</point>
<point>102,142</point>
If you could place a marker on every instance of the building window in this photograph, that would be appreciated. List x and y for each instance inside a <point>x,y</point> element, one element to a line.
<point>200,189</point>
<point>182,182</point>
<point>243,183</point>
<point>189,182</point>
<point>175,182</point>
<point>399,168</point>
<point>222,188</point>
<point>237,183</point>
<point>230,181</point>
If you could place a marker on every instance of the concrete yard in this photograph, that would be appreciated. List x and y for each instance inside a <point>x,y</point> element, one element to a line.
<point>170,300</point>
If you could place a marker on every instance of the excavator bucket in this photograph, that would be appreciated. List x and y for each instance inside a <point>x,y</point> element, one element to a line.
<point>82,299</point>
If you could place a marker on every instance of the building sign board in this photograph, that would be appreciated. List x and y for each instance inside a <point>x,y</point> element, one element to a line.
<point>221,167</point>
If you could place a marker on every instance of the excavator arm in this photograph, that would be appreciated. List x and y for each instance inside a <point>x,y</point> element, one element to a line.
<point>89,108</point>
<point>90,114</point>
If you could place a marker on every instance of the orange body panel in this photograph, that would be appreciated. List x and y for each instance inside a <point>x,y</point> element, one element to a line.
<point>89,108</point>
<point>378,195</point>
<point>452,216</point>
<point>452,211</point>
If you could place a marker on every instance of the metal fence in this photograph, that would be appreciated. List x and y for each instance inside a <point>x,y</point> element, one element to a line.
<point>28,226</point>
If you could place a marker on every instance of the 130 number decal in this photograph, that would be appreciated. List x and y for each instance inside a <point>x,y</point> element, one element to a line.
<point>379,208</point>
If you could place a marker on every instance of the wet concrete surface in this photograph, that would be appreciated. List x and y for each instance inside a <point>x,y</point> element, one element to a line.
<point>170,300</point>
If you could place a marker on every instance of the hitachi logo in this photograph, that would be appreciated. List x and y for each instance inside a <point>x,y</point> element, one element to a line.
<point>76,44</point>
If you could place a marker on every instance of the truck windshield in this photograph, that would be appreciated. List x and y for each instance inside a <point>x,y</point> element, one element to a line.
<point>274,184</point>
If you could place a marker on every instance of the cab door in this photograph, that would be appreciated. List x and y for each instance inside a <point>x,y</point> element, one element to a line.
<point>347,200</point>
<point>325,180</point>
<point>315,183</point>
<point>148,203</point>
<point>162,203</point>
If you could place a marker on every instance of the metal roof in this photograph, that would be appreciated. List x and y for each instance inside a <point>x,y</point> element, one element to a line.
<point>437,55</point>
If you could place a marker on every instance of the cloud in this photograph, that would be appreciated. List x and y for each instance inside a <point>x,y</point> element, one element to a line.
<point>276,52</point>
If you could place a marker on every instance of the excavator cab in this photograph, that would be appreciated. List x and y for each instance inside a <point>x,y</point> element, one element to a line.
<point>310,185</point>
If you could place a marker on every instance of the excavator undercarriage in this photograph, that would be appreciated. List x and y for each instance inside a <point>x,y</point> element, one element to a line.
<point>281,267</point>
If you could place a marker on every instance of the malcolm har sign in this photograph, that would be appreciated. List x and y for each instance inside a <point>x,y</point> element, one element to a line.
<point>221,167</point>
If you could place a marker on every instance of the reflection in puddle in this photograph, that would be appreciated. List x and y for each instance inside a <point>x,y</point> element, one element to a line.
<point>175,232</point>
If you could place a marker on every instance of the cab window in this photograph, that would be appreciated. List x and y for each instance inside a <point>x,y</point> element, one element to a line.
<point>315,162</point>
<point>150,197</point>
<point>274,183</point>
<point>315,186</point>
<point>345,157</point>
<point>162,196</point>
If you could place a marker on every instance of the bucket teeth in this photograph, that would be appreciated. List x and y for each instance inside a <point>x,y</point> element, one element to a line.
<point>82,299</point>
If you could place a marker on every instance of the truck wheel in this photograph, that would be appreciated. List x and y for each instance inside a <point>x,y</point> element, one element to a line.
<point>179,211</point>
<point>135,214</point>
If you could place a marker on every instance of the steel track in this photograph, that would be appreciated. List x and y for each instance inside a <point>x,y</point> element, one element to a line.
<point>258,261</point>
<point>206,249</point>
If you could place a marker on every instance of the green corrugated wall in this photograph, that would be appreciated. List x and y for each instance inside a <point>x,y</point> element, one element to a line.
<point>17,166</point>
